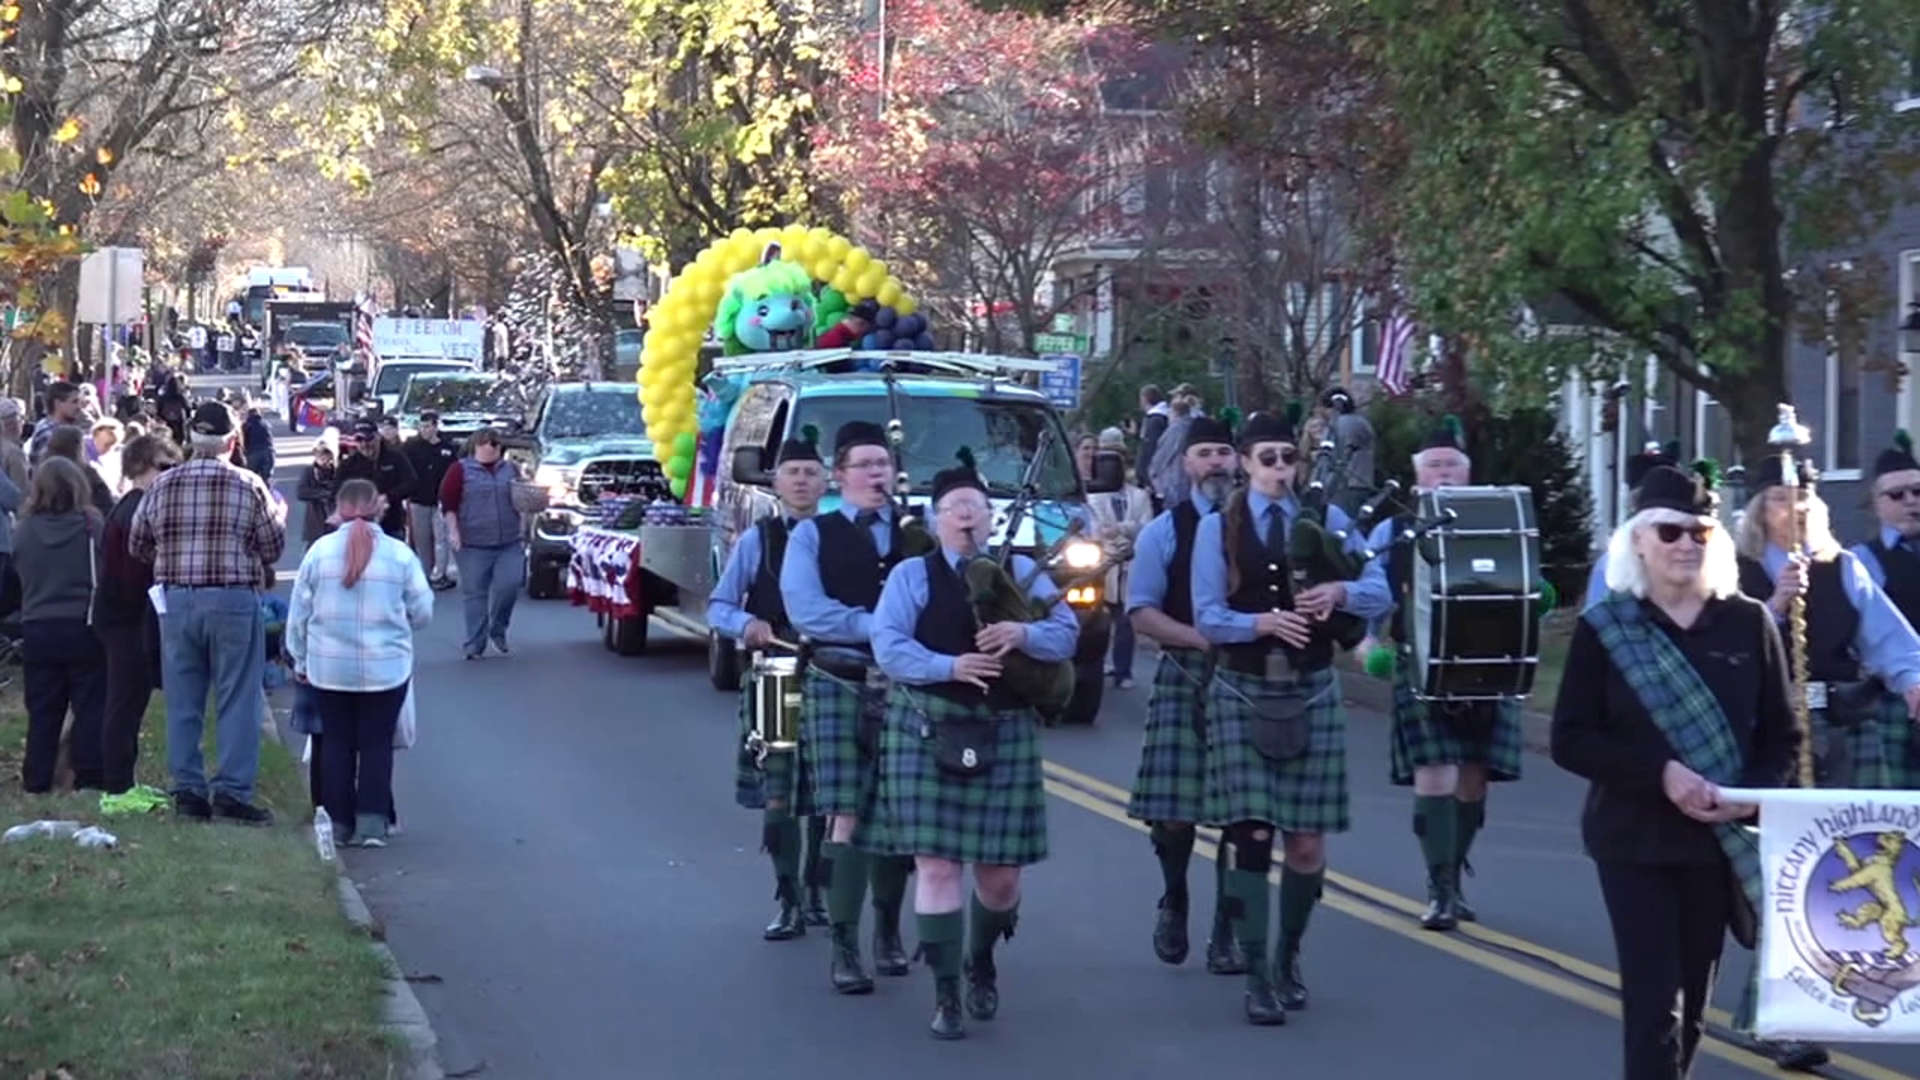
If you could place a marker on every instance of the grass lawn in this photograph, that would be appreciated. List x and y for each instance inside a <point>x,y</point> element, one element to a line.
<point>191,950</point>
<point>1555,633</point>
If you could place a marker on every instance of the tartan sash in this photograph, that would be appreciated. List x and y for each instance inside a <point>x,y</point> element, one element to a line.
<point>1685,711</point>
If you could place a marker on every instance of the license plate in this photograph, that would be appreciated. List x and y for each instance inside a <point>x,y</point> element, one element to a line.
<point>1816,696</point>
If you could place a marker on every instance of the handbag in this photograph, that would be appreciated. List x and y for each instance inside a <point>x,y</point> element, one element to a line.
<point>962,746</point>
<point>1281,727</point>
<point>406,731</point>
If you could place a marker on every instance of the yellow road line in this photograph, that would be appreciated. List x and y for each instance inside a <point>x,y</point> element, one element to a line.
<point>1108,801</point>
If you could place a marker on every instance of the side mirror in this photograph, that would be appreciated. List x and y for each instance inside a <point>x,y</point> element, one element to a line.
<point>750,465</point>
<point>1109,473</point>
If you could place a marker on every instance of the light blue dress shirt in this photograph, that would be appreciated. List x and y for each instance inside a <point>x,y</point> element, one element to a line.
<point>1596,582</point>
<point>1884,643</point>
<point>817,616</point>
<point>726,608</point>
<point>906,660</point>
<point>1368,597</point>
<point>1153,556</point>
<point>1892,539</point>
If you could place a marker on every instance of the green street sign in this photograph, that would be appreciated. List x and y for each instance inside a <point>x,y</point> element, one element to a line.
<point>1075,344</point>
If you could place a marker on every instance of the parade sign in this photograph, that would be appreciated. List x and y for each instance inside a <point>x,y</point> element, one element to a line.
<point>1840,920</point>
<point>434,339</point>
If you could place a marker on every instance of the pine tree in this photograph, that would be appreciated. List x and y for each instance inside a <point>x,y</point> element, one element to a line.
<point>1528,448</point>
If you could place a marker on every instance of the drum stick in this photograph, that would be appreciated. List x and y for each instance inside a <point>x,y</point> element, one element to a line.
<point>787,645</point>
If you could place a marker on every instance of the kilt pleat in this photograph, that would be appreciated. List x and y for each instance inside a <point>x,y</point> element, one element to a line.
<point>998,818</point>
<point>1307,794</point>
<point>782,776</point>
<point>1420,738</point>
<point>843,780</point>
<point>1171,784</point>
<point>1899,744</point>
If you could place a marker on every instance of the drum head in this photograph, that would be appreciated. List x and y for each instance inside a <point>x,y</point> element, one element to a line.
<point>1475,582</point>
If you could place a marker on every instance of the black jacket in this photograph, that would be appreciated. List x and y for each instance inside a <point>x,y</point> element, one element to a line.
<point>392,476</point>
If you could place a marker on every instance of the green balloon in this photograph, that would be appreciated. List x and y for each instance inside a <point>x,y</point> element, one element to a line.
<point>679,467</point>
<point>678,485</point>
<point>683,444</point>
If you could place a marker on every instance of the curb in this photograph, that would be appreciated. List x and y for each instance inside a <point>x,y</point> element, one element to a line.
<point>404,1015</point>
<point>1370,692</point>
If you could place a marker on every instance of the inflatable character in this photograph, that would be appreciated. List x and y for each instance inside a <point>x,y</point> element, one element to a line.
<point>766,309</point>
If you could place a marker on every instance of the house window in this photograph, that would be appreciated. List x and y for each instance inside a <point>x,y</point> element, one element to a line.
<point>1910,99</point>
<point>1366,343</point>
<point>1841,434</point>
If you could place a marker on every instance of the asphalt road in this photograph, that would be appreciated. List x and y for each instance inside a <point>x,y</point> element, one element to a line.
<point>576,895</point>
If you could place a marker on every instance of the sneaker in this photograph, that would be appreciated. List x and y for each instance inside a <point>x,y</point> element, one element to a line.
<point>191,806</point>
<point>1124,684</point>
<point>470,654</point>
<point>228,808</point>
<point>370,831</point>
<point>500,646</point>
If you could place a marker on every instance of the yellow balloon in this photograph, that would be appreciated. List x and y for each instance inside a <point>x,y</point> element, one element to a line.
<point>868,283</point>
<point>843,280</point>
<point>821,237</point>
<point>906,306</point>
<point>858,260</point>
<point>740,234</point>
<point>889,295</point>
<point>823,268</point>
<point>837,248</point>
<point>880,268</point>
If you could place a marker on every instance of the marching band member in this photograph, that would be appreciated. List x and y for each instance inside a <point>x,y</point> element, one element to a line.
<point>1854,634</point>
<point>960,778</point>
<point>1890,560</point>
<point>1169,791</point>
<point>1276,736</point>
<point>831,578</point>
<point>1447,751</point>
<point>1674,687</point>
<point>746,606</point>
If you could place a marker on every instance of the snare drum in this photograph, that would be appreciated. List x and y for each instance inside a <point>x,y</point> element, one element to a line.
<point>1474,596</point>
<point>775,703</point>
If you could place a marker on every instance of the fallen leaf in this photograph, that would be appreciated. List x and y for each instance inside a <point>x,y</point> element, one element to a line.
<point>297,946</point>
<point>17,1023</point>
<point>120,982</point>
<point>227,890</point>
<point>25,966</point>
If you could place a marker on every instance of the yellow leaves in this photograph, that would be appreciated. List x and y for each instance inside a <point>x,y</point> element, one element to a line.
<point>69,131</point>
<point>12,84</point>
<point>10,13</point>
<point>90,185</point>
<point>103,155</point>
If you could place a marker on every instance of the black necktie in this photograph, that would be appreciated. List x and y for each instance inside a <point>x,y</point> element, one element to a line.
<point>866,519</point>
<point>1276,533</point>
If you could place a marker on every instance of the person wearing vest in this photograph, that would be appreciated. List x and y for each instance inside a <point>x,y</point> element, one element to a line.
<point>830,578</point>
<point>1446,751</point>
<point>1863,660</point>
<point>483,529</point>
<point>1892,560</point>
<point>1276,735</point>
<point>960,777</point>
<point>1169,790</point>
<point>746,607</point>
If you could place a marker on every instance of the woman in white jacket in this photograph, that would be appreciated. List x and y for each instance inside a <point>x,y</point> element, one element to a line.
<point>359,597</point>
<point>1118,518</point>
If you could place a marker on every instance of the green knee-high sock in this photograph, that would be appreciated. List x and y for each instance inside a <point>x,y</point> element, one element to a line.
<point>780,836</point>
<point>816,839</point>
<point>1434,822</point>
<point>1174,849</point>
<point>889,876</point>
<point>1298,893</point>
<point>985,926</point>
<point>1220,906</point>
<point>846,870</point>
<point>1470,816</point>
<point>941,938</point>
<point>1249,907</point>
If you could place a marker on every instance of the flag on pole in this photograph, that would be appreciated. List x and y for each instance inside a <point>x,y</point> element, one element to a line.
<point>363,317</point>
<point>1396,355</point>
<point>1839,949</point>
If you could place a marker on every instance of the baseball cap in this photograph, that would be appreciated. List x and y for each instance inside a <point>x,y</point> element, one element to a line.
<point>366,429</point>
<point>212,418</point>
<point>430,416</point>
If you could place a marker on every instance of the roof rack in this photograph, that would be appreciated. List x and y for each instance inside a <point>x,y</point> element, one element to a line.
<point>950,363</point>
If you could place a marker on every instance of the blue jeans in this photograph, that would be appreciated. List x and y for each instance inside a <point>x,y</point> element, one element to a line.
<point>213,640</point>
<point>1122,643</point>
<point>490,580</point>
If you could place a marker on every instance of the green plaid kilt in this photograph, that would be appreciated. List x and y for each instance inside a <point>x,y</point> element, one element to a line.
<point>782,776</point>
<point>1899,745</point>
<point>1420,738</point>
<point>1880,745</point>
<point>1305,795</point>
<point>1171,784</point>
<point>843,780</point>
<point>998,818</point>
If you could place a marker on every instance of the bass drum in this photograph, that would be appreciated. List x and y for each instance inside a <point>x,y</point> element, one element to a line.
<point>1474,597</point>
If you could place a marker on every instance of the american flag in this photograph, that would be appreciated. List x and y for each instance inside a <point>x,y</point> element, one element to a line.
<point>1396,355</point>
<point>363,327</point>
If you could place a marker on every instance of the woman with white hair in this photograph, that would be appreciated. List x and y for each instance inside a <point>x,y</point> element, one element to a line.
<point>1675,686</point>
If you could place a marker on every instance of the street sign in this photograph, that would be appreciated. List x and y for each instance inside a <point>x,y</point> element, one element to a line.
<point>1060,344</point>
<point>1062,384</point>
<point>1063,323</point>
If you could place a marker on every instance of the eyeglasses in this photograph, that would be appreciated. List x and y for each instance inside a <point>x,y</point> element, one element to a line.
<point>869,464</point>
<point>1270,459</point>
<point>1669,533</point>
<point>1901,494</point>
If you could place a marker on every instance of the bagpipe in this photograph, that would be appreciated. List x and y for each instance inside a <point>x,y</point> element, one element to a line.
<point>1319,554</point>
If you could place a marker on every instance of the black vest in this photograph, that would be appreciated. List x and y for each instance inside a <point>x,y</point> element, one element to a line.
<point>1266,584</point>
<point>764,601</point>
<point>851,567</point>
<point>1901,569</point>
<point>1178,603</point>
<point>947,626</point>
<point>1832,622</point>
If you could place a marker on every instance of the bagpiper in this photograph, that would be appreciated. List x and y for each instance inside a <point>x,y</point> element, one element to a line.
<point>1276,734</point>
<point>1892,560</point>
<point>1448,752</point>
<point>835,565</point>
<point>1169,790</point>
<point>960,777</point>
<point>746,607</point>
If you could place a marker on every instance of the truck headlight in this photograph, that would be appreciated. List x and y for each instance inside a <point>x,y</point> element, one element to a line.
<point>1083,555</point>
<point>1083,596</point>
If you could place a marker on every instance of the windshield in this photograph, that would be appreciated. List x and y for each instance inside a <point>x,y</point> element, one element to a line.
<point>394,376</point>
<point>493,397</point>
<point>320,336</point>
<point>586,414</point>
<point>1001,434</point>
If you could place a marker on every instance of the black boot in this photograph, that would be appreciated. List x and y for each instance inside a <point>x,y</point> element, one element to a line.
<point>814,911</point>
<point>1292,984</point>
<point>1443,900</point>
<point>788,924</point>
<point>889,954</point>
<point>1223,949</point>
<point>1263,1005</point>
<point>1793,1055</point>
<point>1461,909</point>
<point>946,1023</point>
<point>983,986</point>
<point>848,974</point>
<point>1170,930</point>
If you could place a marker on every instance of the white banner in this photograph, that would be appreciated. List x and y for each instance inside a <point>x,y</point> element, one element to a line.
<point>436,339</point>
<point>1840,926</point>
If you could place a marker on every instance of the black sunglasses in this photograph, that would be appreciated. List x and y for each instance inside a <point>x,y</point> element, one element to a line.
<point>1669,533</point>
<point>1273,458</point>
<point>1901,494</point>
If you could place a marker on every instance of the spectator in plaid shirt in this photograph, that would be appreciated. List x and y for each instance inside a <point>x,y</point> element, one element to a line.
<point>212,532</point>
